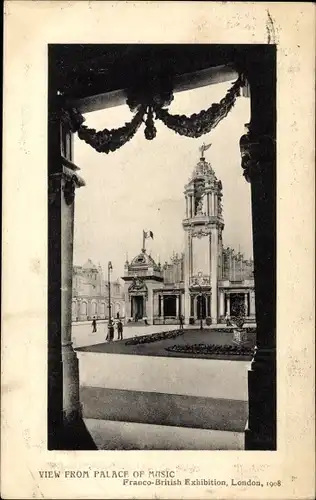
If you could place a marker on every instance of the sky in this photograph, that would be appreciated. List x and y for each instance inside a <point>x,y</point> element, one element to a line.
<point>140,186</point>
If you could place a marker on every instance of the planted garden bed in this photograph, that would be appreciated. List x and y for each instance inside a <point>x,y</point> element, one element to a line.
<point>231,350</point>
<point>154,337</point>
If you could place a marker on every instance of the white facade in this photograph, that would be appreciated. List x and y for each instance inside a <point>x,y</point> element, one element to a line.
<point>90,294</point>
<point>207,281</point>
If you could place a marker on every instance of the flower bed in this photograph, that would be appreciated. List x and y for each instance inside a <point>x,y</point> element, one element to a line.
<point>231,329</point>
<point>155,337</point>
<point>232,350</point>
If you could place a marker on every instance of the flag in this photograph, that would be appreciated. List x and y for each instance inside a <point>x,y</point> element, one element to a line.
<point>149,234</point>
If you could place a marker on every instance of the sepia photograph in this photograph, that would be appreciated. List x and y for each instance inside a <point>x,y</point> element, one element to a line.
<point>158,250</point>
<point>162,247</point>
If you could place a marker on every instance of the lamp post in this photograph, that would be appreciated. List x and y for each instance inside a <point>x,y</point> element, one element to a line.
<point>109,287</point>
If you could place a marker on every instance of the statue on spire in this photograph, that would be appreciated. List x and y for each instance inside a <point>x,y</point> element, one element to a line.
<point>204,148</point>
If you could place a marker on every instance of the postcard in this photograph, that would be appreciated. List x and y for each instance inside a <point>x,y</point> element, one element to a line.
<point>157,328</point>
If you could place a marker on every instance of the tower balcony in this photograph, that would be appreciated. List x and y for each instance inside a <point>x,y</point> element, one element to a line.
<point>200,281</point>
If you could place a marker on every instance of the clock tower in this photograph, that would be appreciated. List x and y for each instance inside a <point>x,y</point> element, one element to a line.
<point>203,226</point>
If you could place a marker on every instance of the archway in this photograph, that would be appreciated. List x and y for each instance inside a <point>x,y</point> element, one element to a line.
<point>201,307</point>
<point>94,308</point>
<point>74,310</point>
<point>83,308</point>
<point>260,169</point>
<point>102,310</point>
<point>137,307</point>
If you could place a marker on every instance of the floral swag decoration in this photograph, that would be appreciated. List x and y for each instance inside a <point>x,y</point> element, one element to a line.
<point>147,106</point>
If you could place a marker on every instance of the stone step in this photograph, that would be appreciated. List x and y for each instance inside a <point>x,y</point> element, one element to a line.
<point>110,435</point>
<point>164,409</point>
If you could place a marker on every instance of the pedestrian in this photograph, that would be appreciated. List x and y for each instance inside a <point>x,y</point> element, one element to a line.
<point>227,319</point>
<point>119,330</point>
<point>181,322</point>
<point>94,325</point>
<point>110,335</point>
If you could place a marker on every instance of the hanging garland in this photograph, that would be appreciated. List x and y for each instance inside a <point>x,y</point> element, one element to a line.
<point>147,106</point>
<point>203,122</point>
<point>106,140</point>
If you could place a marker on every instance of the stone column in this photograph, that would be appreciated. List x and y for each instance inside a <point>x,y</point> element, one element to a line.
<point>246,304</point>
<point>149,312</point>
<point>146,305</point>
<point>208,203</point>
<point>221,303</point>
<point>186,277</point>
<point>191,205</point>
<point>195,307</point>
<point>215,205</point>
<point>186,207</point>
<point>162,307</point>
<point>177,306</point>
<point>228,304</point>
<point>127,308</point>
<point>258,149</point>
<point>252,303</point>
<point>155,304</point>
<point>65,426</point>
<point>214,273</point>
<point>71,402</point>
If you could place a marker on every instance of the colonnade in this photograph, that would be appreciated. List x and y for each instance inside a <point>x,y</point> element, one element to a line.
<point>211,203</point>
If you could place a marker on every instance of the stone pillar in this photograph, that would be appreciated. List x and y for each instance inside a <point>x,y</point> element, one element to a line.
<point>71,402</point>
<point>195,307</point>
<point>162,307</point>
<point>191,205</point>
<point>155,304</point>
<point>246,304</point>
<point>186,207</point>
<point>208,203</point>
<point>214,273</point>
<point>221,303</point>
<point>145,305</point>
<point>228,304</point>
<point>258,150</point>
<point>187,277</point>
<point>177,306</point>
<point>149,311</point>
<point>127,307</point>
<point>252,303</point>
<point>215,205</point>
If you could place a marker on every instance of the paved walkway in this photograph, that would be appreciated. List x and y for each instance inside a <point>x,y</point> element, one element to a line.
<point>82,332</point>
<point>109,435</point>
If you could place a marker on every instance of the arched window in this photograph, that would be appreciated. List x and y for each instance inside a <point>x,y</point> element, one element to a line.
<point>83,308</point>
<point>74,308</point>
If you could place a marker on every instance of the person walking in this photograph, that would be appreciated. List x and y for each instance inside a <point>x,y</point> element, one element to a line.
<point>181,322</point>
<point>110,335</point>
<point>94,325</point>
<point>119,330</point>
<point>227,319</point>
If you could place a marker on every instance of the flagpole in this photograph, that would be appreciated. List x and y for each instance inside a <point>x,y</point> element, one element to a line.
<point>144,237</point>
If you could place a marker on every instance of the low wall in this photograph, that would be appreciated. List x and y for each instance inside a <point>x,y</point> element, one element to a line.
<point>191,393</point>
